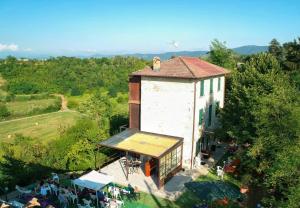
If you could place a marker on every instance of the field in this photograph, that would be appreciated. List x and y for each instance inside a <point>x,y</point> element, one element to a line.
<point>20,108</point>
<point>44,127</point>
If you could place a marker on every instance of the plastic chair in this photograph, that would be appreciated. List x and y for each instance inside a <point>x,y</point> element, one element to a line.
<point>73,197</point>
<point>87,202</point>
<point>120,203</point>
<point>220,172</point>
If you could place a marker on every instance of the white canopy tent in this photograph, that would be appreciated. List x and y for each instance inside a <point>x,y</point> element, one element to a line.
<point>93,180</point>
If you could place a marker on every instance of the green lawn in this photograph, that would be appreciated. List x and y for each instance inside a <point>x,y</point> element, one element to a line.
<point>44,127</point>
<point>22,108</point>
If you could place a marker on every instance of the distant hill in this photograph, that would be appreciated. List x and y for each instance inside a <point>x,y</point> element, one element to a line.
<point>250,49</point>
<point>243,50</point>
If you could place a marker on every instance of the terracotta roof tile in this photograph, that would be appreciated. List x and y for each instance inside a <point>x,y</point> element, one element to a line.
<point>183,67</point>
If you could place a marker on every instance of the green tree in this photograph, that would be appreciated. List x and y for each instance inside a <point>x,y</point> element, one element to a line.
<point>99,107</point>
<point>276,50</point>
<point>220,55</point>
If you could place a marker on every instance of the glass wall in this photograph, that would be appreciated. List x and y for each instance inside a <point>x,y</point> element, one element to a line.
<point>169,162</point>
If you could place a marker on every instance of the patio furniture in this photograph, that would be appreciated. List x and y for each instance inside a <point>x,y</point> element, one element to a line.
<point>87,202</point>
<point>120,203</point>
<point>115,192</point>
<point>22,190</point>
<point>16,204</point>
<point>136,193</point>
<point>93,181</point>
<point>220,172</point>
<point>93,197</point>
<point>72,197</point>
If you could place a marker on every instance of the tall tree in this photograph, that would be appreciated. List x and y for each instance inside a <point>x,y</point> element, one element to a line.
<point>276,50</point>
<point>220,55</point>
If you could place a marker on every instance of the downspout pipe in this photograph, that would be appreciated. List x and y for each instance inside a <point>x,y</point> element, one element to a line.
<point>193,136</point>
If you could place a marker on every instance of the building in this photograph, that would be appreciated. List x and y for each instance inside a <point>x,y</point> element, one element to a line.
<point>170,104</point>
<point>178,97</point>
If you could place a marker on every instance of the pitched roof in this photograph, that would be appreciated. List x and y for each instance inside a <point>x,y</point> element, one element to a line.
<point>183,67</point>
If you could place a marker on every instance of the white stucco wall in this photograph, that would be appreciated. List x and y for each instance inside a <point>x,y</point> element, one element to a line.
<point>167,107</point>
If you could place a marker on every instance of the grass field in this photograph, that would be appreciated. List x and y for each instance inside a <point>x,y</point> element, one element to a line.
<point>19,108</point>
<point>44,127</point>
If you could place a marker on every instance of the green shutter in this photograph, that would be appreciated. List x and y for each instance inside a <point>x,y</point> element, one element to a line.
<point>200,117</point>
<point>219,83</point>
<point>211,85</point>
<point>202,88</point>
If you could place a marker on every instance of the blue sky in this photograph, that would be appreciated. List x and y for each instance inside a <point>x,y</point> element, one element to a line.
<point>62,26</point>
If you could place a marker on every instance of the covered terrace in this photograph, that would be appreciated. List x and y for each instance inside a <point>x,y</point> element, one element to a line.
<point>155,157</point>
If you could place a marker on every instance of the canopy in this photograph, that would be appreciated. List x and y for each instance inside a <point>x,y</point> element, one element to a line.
<point>145,143</point>
<point>93,180</point>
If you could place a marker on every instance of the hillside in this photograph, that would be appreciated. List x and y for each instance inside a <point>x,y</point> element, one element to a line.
<point>243,50</point>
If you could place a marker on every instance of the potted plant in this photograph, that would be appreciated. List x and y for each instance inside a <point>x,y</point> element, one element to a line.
<point>246,181</point>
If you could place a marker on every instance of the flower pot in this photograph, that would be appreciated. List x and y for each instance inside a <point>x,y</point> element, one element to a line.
<point>244,189</point>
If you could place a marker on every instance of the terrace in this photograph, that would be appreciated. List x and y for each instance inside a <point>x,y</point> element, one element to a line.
<point>166,177</point>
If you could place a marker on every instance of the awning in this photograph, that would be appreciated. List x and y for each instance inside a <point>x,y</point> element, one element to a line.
<point>93,180</point>
<point>131,140</point>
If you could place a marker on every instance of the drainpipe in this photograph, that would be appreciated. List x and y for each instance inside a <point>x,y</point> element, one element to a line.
<point>193,136</point>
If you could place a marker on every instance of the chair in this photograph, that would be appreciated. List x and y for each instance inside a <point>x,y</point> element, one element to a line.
<point>87,202</point>
<point>93,197</point>
<point>197,161</point>
<point>116,193</point>
<point>72,197</point>
<point>120,203</point>
<point>220,172</point>
<point>22,190</point>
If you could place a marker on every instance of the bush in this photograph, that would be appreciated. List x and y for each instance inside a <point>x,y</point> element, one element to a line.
<point>3,111</point>
<point>73,104</point>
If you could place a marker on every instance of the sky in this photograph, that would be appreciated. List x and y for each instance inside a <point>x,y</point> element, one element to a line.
<point>136,26</point>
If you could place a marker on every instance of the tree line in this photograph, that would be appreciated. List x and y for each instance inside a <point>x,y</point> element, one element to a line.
<point>262,113</point>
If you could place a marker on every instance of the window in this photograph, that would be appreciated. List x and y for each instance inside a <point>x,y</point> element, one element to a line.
<point>209,115</point>
<point>202,88</point>
<point>219,83</point>
<point>211,90</point>
<point>169,162</point>
<point>200,117</point>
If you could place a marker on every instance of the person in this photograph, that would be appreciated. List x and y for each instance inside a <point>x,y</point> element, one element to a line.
<point>33,203</point>
<point>100,195</point>
<point>62,200</point>
<point>44,190</point>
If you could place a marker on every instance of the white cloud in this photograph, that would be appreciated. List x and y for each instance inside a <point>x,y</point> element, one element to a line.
<point>9,47</point>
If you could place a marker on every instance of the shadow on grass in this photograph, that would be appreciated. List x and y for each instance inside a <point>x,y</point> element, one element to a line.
<point>161,203</point>
<point>17,172</point>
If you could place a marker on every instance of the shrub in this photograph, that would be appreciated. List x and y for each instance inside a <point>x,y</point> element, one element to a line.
<point>3,111</point>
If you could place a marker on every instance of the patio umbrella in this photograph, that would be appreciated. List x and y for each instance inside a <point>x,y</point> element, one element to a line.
<point>213,190</point>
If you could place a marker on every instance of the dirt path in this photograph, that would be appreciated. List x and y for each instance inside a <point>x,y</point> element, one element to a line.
<point>64,102</point>
<point>23,118</point>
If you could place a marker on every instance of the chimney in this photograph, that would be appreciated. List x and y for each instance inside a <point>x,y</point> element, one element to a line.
<point>156,63</point>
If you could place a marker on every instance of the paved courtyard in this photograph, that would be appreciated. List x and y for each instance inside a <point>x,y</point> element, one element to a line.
<point>173,188</point>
